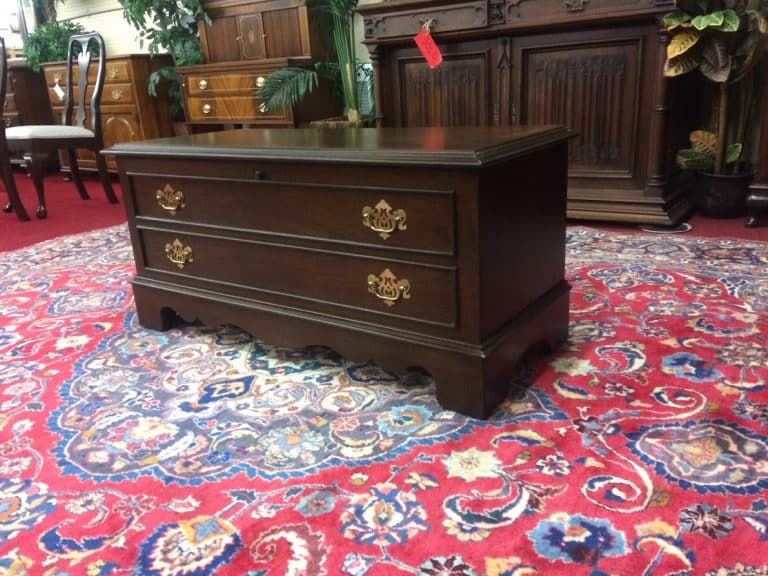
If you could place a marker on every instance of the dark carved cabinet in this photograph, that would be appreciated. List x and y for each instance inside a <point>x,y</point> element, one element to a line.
<point>595,67</point>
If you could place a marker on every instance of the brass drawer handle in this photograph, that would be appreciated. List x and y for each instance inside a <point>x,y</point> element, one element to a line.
<point>388,288</point>
<point>117,94</point>
<point>574,5</point>
<point>178,253</point>
<point>113,73</point>
<point>383,219</point>
<point>170,199</point>
<point>262,108</point>
<point>207,108</point>
<point>203,84</point>
<point>260,81</point>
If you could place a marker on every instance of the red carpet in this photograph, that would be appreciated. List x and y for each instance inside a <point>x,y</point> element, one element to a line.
<point>639,448</point>
<point>67,212</point>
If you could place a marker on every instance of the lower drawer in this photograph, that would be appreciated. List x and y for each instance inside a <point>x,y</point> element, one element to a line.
<point>404,289</point>
<point>244,109</point>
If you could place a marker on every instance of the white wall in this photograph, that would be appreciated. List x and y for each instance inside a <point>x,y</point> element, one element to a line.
<point>106,17</point>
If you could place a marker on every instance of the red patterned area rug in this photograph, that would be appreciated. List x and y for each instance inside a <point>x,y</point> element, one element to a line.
<point>639,448</point>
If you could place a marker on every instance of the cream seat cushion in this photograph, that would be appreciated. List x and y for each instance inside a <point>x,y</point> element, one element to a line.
<point>46,131</point>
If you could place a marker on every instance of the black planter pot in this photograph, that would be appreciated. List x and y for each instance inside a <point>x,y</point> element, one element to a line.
<point>722,195</point>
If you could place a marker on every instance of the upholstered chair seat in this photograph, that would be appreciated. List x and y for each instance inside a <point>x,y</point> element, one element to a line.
<point>47,131</point>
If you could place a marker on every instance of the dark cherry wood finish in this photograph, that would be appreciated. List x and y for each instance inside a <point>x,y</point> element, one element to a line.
<point>594,66</point>
<point>278,244</point>
<point>128,112</point>
<point>246,41</point>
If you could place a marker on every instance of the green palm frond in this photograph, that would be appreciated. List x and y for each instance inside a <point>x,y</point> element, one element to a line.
<point>285,87</point>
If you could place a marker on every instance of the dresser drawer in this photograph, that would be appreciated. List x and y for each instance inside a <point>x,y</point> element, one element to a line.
<point>232,109</point>
<point>410,219</point>
<point>232,84</point>
<point>117,72</point>
<point>460,16</point>
<point>117,94</point>
<point>404,289</point>
<point>545,10</point>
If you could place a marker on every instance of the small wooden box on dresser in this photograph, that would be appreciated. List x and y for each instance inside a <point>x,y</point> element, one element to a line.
<point>128,112</point>
<point>595,66</point>
<point>246,42</point>
<point>441,248</point>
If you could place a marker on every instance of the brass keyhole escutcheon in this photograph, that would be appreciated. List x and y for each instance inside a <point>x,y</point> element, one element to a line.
<point>383,219</point>
<point>388,288</point>
<point>170,199</point>
<point>178,253</point>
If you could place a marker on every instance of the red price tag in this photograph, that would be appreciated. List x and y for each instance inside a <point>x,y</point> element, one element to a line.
<point>428,48</point>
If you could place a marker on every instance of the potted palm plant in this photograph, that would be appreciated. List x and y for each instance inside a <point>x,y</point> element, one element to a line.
<point>723,40</point>
<point>285,87</point>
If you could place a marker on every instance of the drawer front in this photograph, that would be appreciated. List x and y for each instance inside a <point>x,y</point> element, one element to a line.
<point>233,109</point>
<point>463,16</point>
<point>226,84</point>
<point>117,72</point>
<point>546,10</point>
<point>414,219</point>
<point>370,285</point>
<point>117,94</point>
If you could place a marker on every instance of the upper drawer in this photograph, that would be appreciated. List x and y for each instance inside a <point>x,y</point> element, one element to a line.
<point>115,72</point>
<point>461,16</point>
<point>408,290</point>
<point>410,219</point>
<point>231,84</point>
<point>547,10</point>
<point>237,109</point>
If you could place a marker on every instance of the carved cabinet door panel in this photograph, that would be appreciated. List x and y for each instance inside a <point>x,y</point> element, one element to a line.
<point>220,44</point>
<point>597,85</point>
<point>462,91</point>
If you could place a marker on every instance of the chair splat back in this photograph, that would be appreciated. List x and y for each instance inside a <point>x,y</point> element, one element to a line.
<point>80,58</point>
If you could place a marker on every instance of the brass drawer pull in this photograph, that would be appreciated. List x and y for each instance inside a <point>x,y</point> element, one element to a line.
<point>574,5</point>
<point>170,199</point>
<point>113,73</point>
<point>383,219</point>
<point>178,253</point>
<point>207,108</point>
<point>388,288</point>
<point>260,81</point>
<point>262,108</point>
<point>203,84</point>
<point>117,94</point>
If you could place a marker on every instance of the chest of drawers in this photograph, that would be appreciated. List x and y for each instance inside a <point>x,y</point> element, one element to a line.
<point>128,112</point>
<point>440,248</point>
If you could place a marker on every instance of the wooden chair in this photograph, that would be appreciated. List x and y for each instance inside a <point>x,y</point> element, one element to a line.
<point>38,141</point>
<point>6,169</point>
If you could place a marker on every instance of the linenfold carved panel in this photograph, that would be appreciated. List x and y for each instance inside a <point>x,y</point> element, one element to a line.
<point>455,94</point>
<point>593,90</point>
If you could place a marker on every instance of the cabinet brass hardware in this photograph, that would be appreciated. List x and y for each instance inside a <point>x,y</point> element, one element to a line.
<point>178,253</point>
<point>260,81</point>
<point>170,199</point>
<point>574,5</point>
<point>113,73</point>
<point>203,84</point>
<point>207,108</point>
<point>383,219</point>
<point>388,288</point>
<point>262,107</point>
<point>117,94</point>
